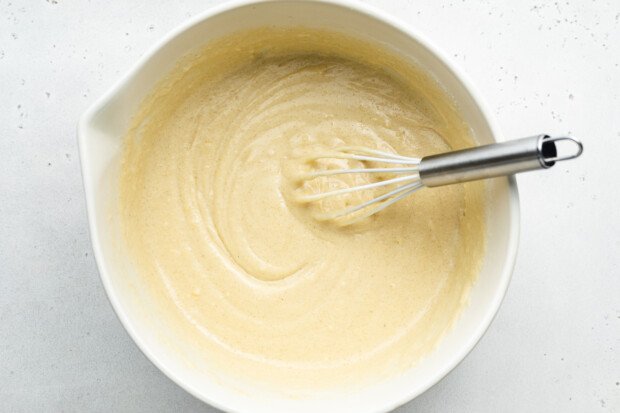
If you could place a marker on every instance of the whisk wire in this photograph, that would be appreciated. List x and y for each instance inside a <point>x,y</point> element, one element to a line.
<point>323,195</point>
<point>363,158</point>
<point>408,189</point>
<point>365,154</point>
<point>382,154</point>
<point>330,172</point>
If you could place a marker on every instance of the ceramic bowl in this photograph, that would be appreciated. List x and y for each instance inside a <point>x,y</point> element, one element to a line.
<point>101,131</point>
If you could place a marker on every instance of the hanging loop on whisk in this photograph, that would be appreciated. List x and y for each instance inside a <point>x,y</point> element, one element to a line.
<point>578,146</point>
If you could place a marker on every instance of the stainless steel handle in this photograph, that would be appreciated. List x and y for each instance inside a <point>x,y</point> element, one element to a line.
<point>498,159</point>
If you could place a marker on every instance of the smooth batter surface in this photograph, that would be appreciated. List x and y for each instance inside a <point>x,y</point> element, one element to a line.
<point>243,270</point>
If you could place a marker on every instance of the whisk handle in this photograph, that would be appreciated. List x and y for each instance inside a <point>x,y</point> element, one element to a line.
<point>498,159</point>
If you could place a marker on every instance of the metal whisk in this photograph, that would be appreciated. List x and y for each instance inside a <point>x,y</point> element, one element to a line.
<point>412,174</point>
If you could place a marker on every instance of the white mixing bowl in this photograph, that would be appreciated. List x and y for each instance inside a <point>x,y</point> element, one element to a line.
<point>101,131</point>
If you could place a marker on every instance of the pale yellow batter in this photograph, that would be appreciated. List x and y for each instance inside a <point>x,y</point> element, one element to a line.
<point>266,291</point>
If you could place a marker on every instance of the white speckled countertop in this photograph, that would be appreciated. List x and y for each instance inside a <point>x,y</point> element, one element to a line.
<point>542,67</point>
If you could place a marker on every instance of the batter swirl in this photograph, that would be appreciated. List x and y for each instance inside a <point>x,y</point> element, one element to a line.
<point>207,197</point>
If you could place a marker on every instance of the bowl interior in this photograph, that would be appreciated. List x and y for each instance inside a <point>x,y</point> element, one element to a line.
<point>100,135</point>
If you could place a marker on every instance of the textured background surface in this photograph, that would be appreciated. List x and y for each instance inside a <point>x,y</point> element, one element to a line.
<point>541,66</point>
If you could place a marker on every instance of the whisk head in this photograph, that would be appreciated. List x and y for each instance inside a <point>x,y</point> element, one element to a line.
<point>393,177</point>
